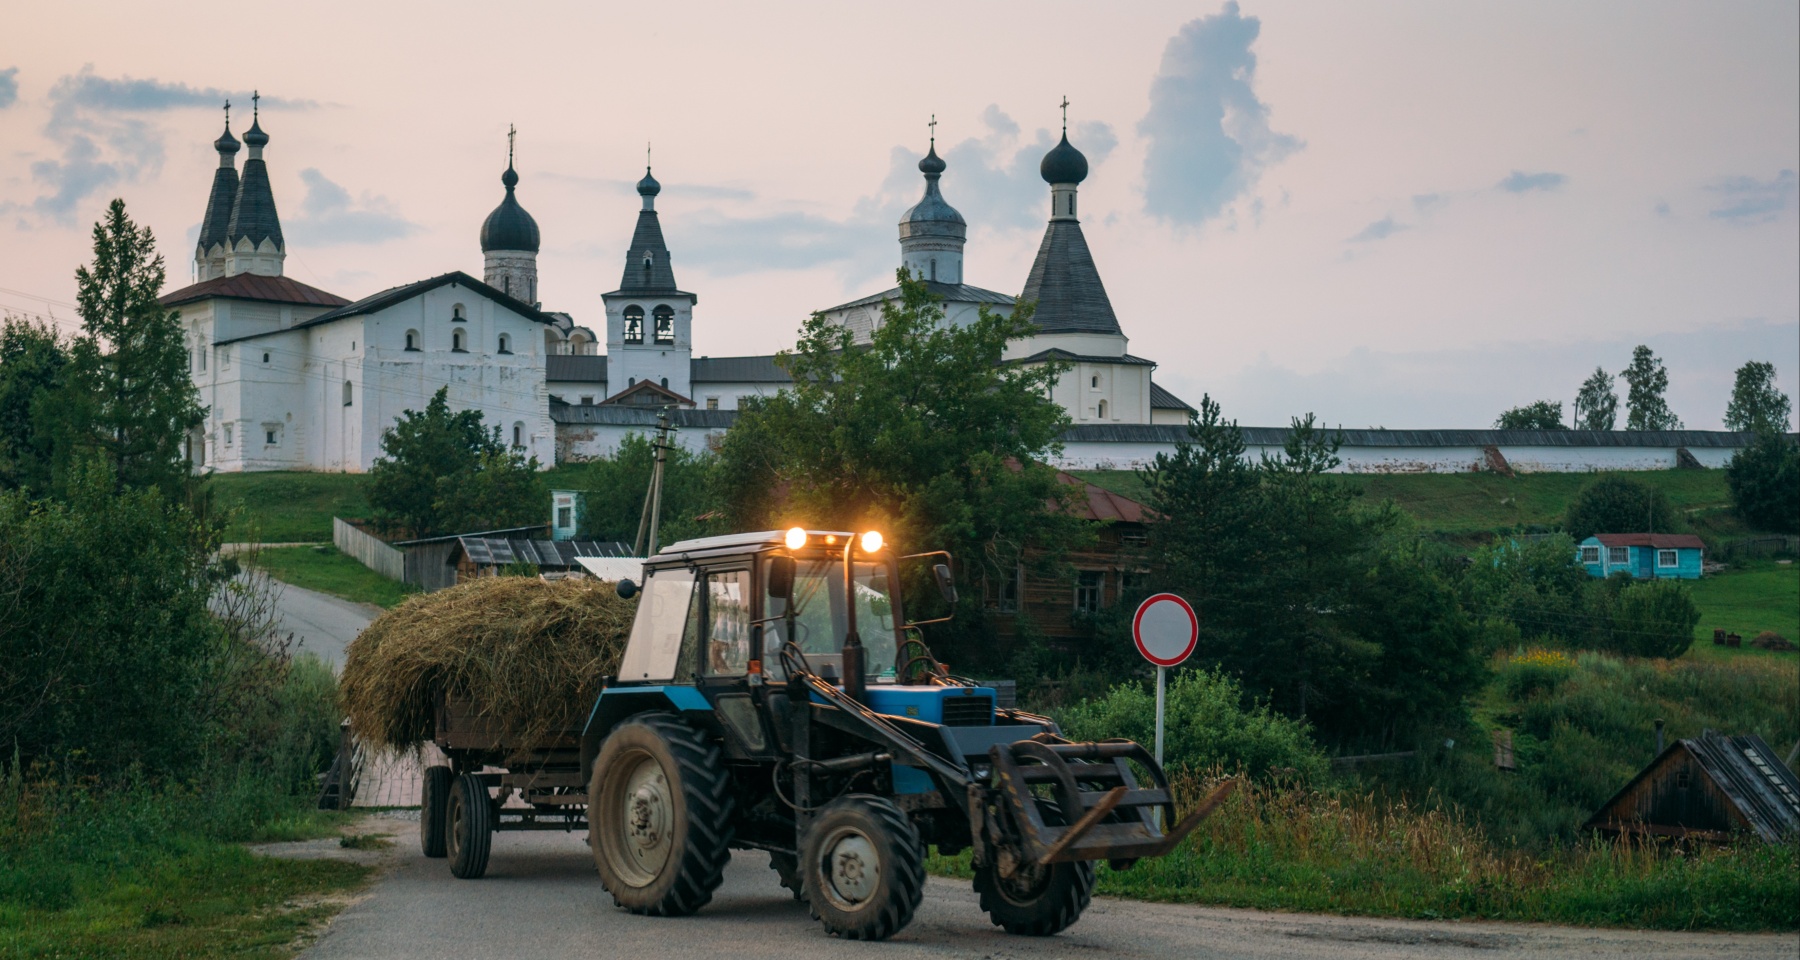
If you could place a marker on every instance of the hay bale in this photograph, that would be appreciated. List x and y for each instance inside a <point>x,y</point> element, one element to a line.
<point>528,653</point>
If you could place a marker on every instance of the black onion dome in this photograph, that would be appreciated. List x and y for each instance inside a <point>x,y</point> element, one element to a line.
<point>648,187</point>
<point>932,162</point>
<point>255,136</point>
<point>1064,163</point>
<point>509,227</point>
<point>226,144</point>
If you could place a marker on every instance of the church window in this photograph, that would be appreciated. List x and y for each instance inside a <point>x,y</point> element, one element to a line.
<point>1095,382</point>
<point>457,314</point>
<point>506,285</point>
<point>934,268</point>
<point>347,389</point>
<point>665,383</point>
<point>1103,409</point>
<point>587,401</point>
<point>505,343</point>
<point>456,342</point>
<point>665,324</point>
<point>228,434</point>
<point>634,324</point>
<point>519,434</point>
<point>631,381</point>
<point>270,436</point>
<point>265,356</point>
<point>412,340</point>
<point>712,403</point>
<point>202,352</point>
<point>225,359</point>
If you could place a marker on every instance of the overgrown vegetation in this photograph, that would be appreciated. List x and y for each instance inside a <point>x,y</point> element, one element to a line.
<point>1619,504</point>
<point>327,570</point>
<point>1537,589</point>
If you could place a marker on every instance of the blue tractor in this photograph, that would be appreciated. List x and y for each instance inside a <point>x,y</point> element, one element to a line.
<point>773,696</point>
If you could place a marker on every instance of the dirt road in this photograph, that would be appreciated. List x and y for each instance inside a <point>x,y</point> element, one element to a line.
<point>321,624</point>
<point>541,899</point>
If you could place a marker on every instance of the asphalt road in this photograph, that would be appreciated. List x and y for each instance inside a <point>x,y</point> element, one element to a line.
<point>321,623</point>
<point>541,899</point>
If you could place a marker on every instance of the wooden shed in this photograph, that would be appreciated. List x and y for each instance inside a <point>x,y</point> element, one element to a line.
<point>1707,788</point>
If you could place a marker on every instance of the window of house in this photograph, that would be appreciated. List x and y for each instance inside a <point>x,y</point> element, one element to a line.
<point>456,342</point>
<point>565,517</point>
<point>505,343</point>
<point>1667,558</point>
<point>1102,409</point>
<point>665,324</point>
<point>1003,592</point>
<point>457,314</point>
<point>1590,554</point>
<point>1090,590</point>
<point>1617,555</point>
<point>634,324</point>
<point>347,389</point>
<point>228,434</point>
<point>712,403</point>
<point>587,401</point>
<point>412,340</point>
<point>519,436</point>
<point>271,436</point>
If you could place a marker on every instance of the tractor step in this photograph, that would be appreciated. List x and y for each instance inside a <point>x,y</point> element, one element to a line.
<point>1102,811</point>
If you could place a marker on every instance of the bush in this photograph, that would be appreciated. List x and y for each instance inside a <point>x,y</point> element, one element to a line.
<point>1764,479</point>
<point>1655,618</point>
<point>1537,585</point>
<point>1616,504</point>
<point>1207,726</point>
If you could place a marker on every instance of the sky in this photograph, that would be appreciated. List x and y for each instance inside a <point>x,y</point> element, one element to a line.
<point>1398,214</point>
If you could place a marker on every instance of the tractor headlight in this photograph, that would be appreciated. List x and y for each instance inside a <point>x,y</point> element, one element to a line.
<point>871,542</point>
<point>796,538</point>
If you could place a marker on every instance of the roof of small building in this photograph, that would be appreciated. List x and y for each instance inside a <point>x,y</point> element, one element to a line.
<point>500,551</point>
<point>947,292</point>
<point>646,393</point>
<point>582,368</point>
<point>1161,399</point>
<point>1663,541</point>
<point>1746,770</point>
<point>252,286</point>
<point>1100,503</point>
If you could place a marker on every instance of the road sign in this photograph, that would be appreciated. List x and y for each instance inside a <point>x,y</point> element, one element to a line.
<point>1165,629</point>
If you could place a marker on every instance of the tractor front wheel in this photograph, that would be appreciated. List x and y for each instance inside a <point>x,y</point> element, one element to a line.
<point>863,868</point>
<point>470,827</point>
<point>659,816</point>
<point>1035,901</point>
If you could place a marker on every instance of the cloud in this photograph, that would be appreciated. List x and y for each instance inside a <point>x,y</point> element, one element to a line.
<point>329,215</point>
<point>1379,230</point>
<point>9,87</point>
<point>1749,200</point>
<point>1427,202</point>
<point>1521,182</point>
<point>991,179</point>
<point>98,125</point>
<point>1209,135</point>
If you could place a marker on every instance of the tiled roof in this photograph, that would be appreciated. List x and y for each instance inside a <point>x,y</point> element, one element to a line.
<point>1066,285</point>
<point>1161,399</point>
<point>948,292</point>
<point>1663,541</point>
<point>252,286</point>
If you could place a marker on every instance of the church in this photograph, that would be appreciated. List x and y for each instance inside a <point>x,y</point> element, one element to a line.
<point>297,378</point>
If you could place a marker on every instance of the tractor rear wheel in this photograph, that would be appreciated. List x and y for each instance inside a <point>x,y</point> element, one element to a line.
<point>470,827</point>
<point>659,816</point>
<point>434,795</point>
<point>863,867</point>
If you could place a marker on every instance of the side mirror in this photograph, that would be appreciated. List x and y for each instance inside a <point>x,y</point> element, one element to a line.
<point>627,589</point>
<point>781,578</point>
<point>945,582</point>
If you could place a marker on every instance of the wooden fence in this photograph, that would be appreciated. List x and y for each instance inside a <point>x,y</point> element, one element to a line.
<point>368,549</point>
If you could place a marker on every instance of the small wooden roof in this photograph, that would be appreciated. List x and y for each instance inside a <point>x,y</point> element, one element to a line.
<point>1764,794</point>
<point>1666,541</point>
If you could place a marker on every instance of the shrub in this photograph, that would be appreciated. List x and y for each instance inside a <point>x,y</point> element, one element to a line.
<point>1653,619</point>
<point>1616,504</point>
<point>1207,726</point>
<point>1537,585</point>
<point>1764,479</point>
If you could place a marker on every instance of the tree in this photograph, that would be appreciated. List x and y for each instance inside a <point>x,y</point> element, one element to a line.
<point>130,401</point>
<point>443,472</point>
<point>32,360</point>
<point>1756,404</point>
<point>1596,405</point>
<point>1542,415</point>
<point>616,485</point>
<point>1650,619</point>
<point>1616,504</point>
<point>1647,382</point>
<point>1764,479</point>
<point>924,432</point>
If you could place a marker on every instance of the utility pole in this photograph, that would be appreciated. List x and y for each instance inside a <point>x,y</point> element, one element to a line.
<point>651,518</point>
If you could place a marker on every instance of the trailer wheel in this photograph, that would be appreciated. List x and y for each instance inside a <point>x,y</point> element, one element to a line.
<point>434,795</point>
<point>787,869</point>
<point>864,868</point>
<point>659,816</point>
<point>1036,901</point>
<point>470,827</point>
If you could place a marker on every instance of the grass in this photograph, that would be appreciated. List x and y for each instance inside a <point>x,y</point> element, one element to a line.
<point>288,507</point>
<point>1747,599</point>
<point>142,873</point>
<point>1328,851</point>
<point>327,570</point>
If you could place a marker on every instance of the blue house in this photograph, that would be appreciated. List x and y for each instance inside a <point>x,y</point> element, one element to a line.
<point>1646,556</point>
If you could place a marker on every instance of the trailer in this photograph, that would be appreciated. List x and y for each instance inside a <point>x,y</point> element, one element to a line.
<point>465,802</point>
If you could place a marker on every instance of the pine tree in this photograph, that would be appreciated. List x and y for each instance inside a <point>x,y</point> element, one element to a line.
<point>129,401</point>
<point>1596,405</point>
<point>1647,382</point>
<point>1756,405</point>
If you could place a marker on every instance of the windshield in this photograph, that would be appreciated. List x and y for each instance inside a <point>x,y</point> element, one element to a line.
<point>820,624</point>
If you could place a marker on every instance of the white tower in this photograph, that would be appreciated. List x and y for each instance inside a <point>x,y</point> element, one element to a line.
<point>649,321</point>
<point>932,233</point>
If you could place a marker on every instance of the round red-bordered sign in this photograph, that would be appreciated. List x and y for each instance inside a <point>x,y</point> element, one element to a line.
<point>1165,629</point>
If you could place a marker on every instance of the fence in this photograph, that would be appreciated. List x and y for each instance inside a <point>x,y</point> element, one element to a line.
<point>1769,546</point>
<point>369,550</point>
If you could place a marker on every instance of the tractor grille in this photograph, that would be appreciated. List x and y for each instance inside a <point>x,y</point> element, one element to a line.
<point>971,711</point>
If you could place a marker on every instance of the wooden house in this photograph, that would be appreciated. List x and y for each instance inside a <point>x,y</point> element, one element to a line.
<point>1105,572</point>
<point>1646,556</point>
<point>1707,788</point>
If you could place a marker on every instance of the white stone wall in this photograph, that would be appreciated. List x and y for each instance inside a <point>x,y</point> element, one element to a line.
<point>589,441</point>
<point>1094,455</point>
<point>729,393</point>
<point>512,272</point>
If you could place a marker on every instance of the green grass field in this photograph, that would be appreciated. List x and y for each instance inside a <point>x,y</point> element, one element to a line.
<point>1748,599</point>
<point>288,507</point>
<point>324,569</point>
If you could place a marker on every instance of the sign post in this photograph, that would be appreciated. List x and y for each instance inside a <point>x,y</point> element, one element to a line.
<point>1165,629</point>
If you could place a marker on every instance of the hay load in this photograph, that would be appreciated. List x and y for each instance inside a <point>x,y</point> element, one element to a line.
<point>528,653</point>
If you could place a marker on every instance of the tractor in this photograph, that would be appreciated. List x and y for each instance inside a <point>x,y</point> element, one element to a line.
<point>773,696</point>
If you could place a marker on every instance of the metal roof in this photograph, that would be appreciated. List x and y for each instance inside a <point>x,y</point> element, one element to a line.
<point>561,554</point>
<point>252,286</point>
<point>1058,353</point>
<point>1276,436</point>
<point>1672,541</point>
<point>253,213</point>
<point>658,276</point>
<point>1161,399</point>
<point>1760,787</point>
<point>575,367</point>
<point>394,295</point>
<point>738,370</point>
<point>948,292</point>
<point>623,415</point>
<point>1066,285</point>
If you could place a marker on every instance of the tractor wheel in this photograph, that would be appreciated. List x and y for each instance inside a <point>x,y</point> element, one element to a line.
<point>470,827</point>
<point>787,868</point>
<point>659,816</point>
<point>1036,901</point>
<point>434,794</point>
<point>864,868</point>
